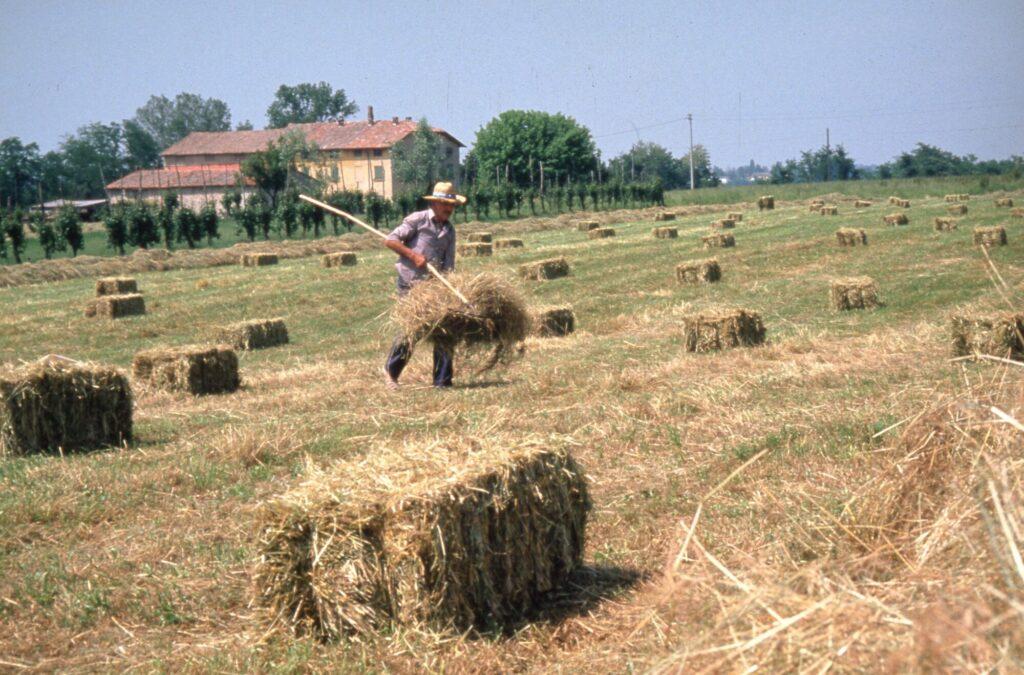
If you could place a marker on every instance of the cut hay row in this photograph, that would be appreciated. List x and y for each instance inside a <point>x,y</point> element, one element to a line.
<point>665,232</point>
<point>587,225</point>
<point>193,369</point>
<point>990,236</point>
<point>723,224</point>
<point>717,329</point>
<point>508,243</point>
<point>854,293</point>
<point>718,241</point>
<point>339,259</point>
<point>447,538</point>
<point>735,216</point>
<point>255,334</point>
<point>664,216</point>
<point>1004,202</point>
<point>861,203</point>
<point>945,224</point>
<point>829,210</point>
<point>998,334</point>
<point>475,250</point>
<point>116,306</point>
<point>896,219</point>
<point>59,405</point>
<point>957,210</point>
<point>766,203</point>
<point>554,321</point>
<point>957,198</point>
<point>551,268</point>
<point>815,208</point>
<point>848,236</point>
<point>601,233</point>
<point>480,237</point>
<point>257,259</point>
<point>116,286</point>
<point>699,272</point>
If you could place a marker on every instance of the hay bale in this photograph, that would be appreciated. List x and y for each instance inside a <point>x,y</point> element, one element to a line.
<point>724,224</point>
<point>735,216</point>
<point>896,219</point>
<point>815,208</point>
<point>766,203</point>
<point>116,306</point>
<point>195,369</point>
<point>601,233</point>
<point>861,203</point>
<point>1004,202</point>
<point>990,236</point>
<point>551,268</point>
<point>554,321</point>
<point>255,334</point>
<point>1017,213</point>
<point>854,293</point>
<point>945,224</point>
<point>698,272</point>
<point>957,210</point>
<point>479,237</point>
<point>475,250</point>
<point>964,197</point>
<point>829,210</point>
<point>665,233</point>
<point>59,405</point>
<point>817,202</point>
<point>894,200</point>
<point>587,225</point>
<point>903,203</point>
<point>998,334</point>
<point>722,329</point>
<point>718,241</point>
<point>445,538</point>
<point>664,216</point>
<point>257,259</point>
<point>508,243</point>
<point>339,259</point>
<point>848,236</point>
<point>116,286</point>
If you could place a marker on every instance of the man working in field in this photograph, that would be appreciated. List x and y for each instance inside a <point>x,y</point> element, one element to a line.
<point>424,236</point>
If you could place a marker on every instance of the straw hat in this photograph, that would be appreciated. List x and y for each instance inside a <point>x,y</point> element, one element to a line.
<point>445,192</point>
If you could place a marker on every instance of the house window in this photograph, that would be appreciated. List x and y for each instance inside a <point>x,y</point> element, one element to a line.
<point>448,152</point>
<point>334,172</point>
<point>378,174</point>
<point>378,152</point>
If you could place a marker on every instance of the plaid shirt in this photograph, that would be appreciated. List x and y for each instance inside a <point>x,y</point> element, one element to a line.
<point>435,241</point>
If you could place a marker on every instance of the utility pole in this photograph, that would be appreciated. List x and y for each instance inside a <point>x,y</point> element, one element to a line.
<point>689,118</point>
<point>828,156</point>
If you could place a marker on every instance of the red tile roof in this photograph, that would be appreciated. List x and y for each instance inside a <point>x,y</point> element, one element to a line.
<point>209,175</point>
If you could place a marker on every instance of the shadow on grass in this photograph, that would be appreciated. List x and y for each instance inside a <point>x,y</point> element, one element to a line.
<point>585,590</point>
<point>481,384</point>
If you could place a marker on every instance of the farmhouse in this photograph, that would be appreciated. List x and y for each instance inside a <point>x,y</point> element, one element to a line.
<point>351,156</point>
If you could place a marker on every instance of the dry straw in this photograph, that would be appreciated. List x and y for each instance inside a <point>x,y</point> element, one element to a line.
<point>1004,202</point>
<point>854,293</point>
<point>998,334</point>
<point>255,334</point>
<point>718,241</point>
<point>257,259</point>
<point>475,249</point>
<point>116,306</point>
<point>957,198</point>
<point>1017,213</point>
<point>903,203</point>
<point>554,321</point>
<point>496,317</point>
<point>716,329</point>
<point>724,224</point>
<point>896,219</point>
<point>508,243</point>
<point>480,237</point>
<point>957,210</point>
<point>990,236</point>
<point>943,224</point>
<point>339,259</point>
<point>735,216</point>
<point>664,216</point>
<point>829,210</point>
<point>601,233</point>
<point>586,225</point>
<point>195,369</point>
<point>468,537</point>
<point>848,236</point>
<point>698,272</point>
<point>116,286</point>
<point>59,405</point>
<point>766,203</point>
<point>665,233</point>
<point>551,268</point>
<point>861,203</point>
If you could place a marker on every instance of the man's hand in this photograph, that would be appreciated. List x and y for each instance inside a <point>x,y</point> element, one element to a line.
<point>401,249</point>
<point>418,260</point>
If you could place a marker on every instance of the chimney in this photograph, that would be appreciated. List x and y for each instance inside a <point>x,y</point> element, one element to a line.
<point>369,114</point>
<point>394,120</point>
<point>408,119</point>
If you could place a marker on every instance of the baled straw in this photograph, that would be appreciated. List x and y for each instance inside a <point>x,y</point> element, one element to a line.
<point>257,259</point>
<point>957,210</point>
<point>722,328</point>
<point>116,306</point>
<point>664,216</point>
<point>339,259</point>
<point>945,224</point>
<point>195,369</point>
<point>849,236</point>
<point>601,233</point>
<point>554,321</point>
<point>854,293</point>
<point>508,243</point>
<point>540,270</point>
<point>718,241</point>
<point>255,334</point>
<point>699,271</point>
<point>479,237</point>
<point>896,219</point>
<point>665,233</point>
<point>998,334</point>
<point>116,286</point>
<point>990,236</point>
<point>475,249</point>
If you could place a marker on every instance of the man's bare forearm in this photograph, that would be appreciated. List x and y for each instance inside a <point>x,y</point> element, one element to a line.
<point>406,252</point>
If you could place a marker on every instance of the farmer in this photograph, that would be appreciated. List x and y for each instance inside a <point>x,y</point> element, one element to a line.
<point>423,237</point>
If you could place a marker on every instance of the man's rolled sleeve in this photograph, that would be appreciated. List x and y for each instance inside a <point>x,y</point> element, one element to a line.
<point>402,232</point>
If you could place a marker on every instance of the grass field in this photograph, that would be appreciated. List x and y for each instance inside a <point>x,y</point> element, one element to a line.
<point>143,557</point>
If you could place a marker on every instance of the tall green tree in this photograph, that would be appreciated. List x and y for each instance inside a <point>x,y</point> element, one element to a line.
<point>417,160</point>
<point>168,121</point>
<point>188,227</point>
<point>647,161</point>
<point>308,102</point>
<point>210,223</point>
<point>141,150</point>
<point>142,229</point>
<point>703,172</point>
<point>69,228</point>
<point>165,217</point>
<point>272,168</point>
<point>15,232</point>
<point>20,167</point>
<point>49,237</point>
<point>116,224</point>
<point>90,159</point>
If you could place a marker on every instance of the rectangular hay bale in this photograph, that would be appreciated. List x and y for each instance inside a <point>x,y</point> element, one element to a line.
<point>255,334</point>
<point>998,334</point>
<point>116,306</point>
<point>601,233</point>
<point>196,369</point>
<point>854,293</point>
<point>59,405</point>
<point>945,224</point>
<point>586,225</point>
<point>475,249</point>
<point>896,219</point>
<point>453,538</point>
<point>766,203</point>
<point>848,236</point>
<point>664,216</point>
<point>551,268</point>
<point>665,233</point>
<point>957,210</point>
<point>554,321</point>
<point>990,236</point>
<point>698,272</point>
<point>257,259</point>
<point>903,203</point>
<point>1004,202</point>
<point>735,216</point>
<point>479,237</point>
<point>116,286</point>
<point>713,330</point>
<point>508,243</point>
<point>1017,213</point>
<point>724,224</point>
<point>861,203</point>
<point>339,259</point>
<point>718,241</point>
<point>829,210</point>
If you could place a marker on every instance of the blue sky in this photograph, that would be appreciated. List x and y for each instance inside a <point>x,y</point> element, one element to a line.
<point>762,79</point>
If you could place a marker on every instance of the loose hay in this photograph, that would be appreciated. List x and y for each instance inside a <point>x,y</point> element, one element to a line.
<point>59,405</point>
<point>665,233</point>
<point>601,233</point>
<point>586,225</point>
<point>718,241</point>
<point>475,250</point>
<point>664,216</point>
<point>815,208</point>
<point>829,210</point>
<point>722,329</point>
<point>854,293</point>
<point>698,272</point>
<point>1017,213</point>
<point>848,236</point>
<point>480,237</point>
<point>903,203</point>
<point>735,216</point>
<point>1004,202</point>
<point>116,286</point>
<point>724,224</point>
<point>998,334</point>
<point>957,210</point>
<point>449,538</point>
<point>896,219</point>
<point>508,243</point>
<point>990,236</point>
<point>495,319</point>
<point>551,268</point>
<point>257,259</point>
<point>116,306</point>
<point>861,203</point>
<point>554,321</point>
<point>945,224</point>
<point>255,334</point>
<point>194,369</point>
<point>339,259</point>
<point>766,203</point>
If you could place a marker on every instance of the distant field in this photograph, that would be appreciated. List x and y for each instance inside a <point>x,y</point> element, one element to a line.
<point>143,557</point>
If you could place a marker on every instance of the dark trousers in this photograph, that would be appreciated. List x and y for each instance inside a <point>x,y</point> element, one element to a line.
<point>399,355</point>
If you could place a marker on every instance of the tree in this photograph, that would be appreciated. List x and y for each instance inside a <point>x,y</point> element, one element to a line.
<point>231,200</point>
<point>703,174</point>
<point>210,223</point>
<point>417,161</point>
<point>91,159</point>
<point>272,168</point>
<point>816,165</point>
<point>15,232</point>
<point>141,150</point>
<point>928,160</point>
<point>188,227</point>
<point>167,121</point>
<point>142,230</point>
<point>165,217</point>
<point>49,238</point>
<point>19,172</point>
<point>647,161</point>
<point>116,224</point>
<point>69,228</point>
<point>288,214</point>
<point>514,143</point>
<point>248,218</point>
<point>244,126</point>
<point>308,102</point>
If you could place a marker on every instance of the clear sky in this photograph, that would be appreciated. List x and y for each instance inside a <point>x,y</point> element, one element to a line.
<point>762,79</point>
